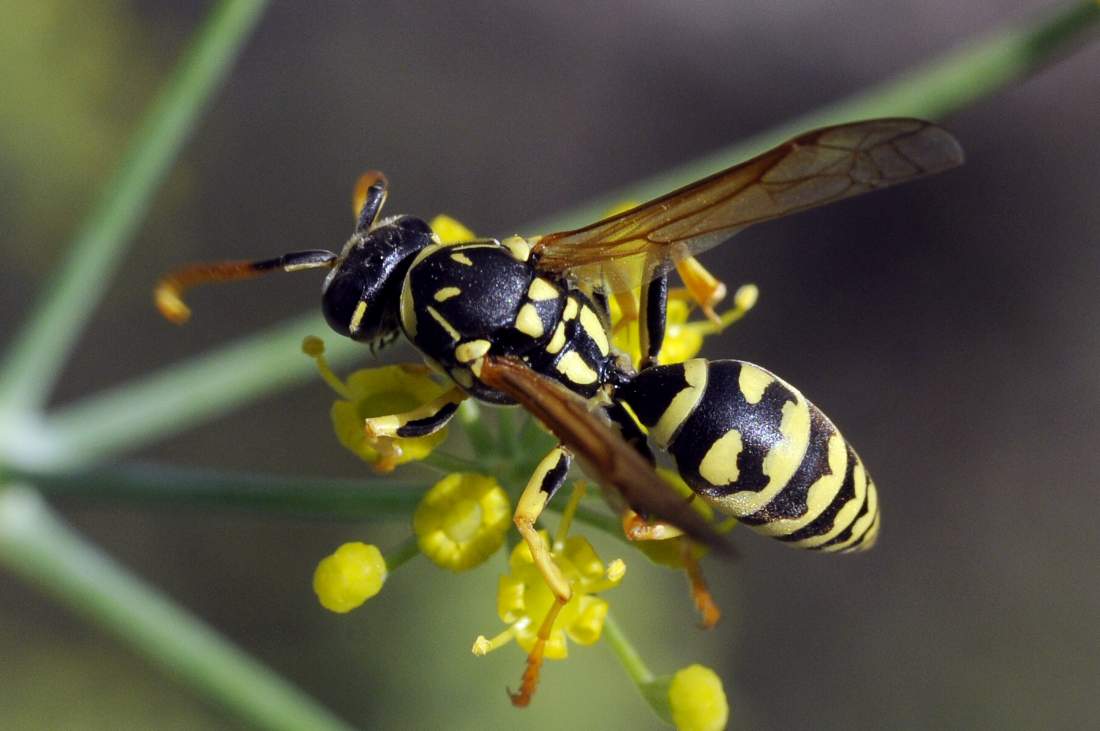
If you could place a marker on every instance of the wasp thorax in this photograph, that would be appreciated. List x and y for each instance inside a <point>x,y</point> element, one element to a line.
<point>361,295</point>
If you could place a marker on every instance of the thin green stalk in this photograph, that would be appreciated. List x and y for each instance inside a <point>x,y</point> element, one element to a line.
<point>447,463</point>
<point>624,650</point>
<point>506,432</point>
<point>38,353</point>
<point>156,484</point>
<point>653,688</point>
<point>371,497</point>
<point>398,557</point>
<point>153,407</point>
<point>472,419</point>
<point>35,544</point>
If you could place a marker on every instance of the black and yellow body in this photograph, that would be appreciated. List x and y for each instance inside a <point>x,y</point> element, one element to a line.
<point>526,321</point>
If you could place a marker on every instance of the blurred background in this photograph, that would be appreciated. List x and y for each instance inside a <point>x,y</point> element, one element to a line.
<point>947,326</point>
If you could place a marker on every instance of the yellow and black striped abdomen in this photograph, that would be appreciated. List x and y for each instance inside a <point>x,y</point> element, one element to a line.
<point>755,448</point>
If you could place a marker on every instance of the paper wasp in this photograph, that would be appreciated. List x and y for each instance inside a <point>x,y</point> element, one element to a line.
<point>525,320</point>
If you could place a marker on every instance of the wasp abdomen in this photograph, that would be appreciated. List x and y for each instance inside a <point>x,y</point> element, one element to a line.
<point>755,448</point>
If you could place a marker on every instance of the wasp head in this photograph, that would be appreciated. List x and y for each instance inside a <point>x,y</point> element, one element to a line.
<point>361,295</point>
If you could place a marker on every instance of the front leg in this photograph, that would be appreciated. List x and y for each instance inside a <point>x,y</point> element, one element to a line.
<point>425,419</point>
<point>428,418</point>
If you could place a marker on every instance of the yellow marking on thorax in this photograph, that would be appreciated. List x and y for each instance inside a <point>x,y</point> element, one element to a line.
<point>528,321</point>
<point>683,403</point>
<point>573,367</point>
<point>462,259</point>
<point>357,316</point>
<point>557,340</point>
<point>443,323</point>
<point>518,246</point>
<point>444,294</point>
<point>472,350</point>
<point>752,382</point>
<point>719,464</point>
<point>590,321</point>
<point>541,289</point>
<point>819,495</point>
<point>571,309</point>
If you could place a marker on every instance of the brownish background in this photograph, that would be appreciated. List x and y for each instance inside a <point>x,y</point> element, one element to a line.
<point>948,327</point>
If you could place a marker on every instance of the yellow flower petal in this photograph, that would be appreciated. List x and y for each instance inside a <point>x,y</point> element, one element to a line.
<point>381,392</point>
<point>462,520</point>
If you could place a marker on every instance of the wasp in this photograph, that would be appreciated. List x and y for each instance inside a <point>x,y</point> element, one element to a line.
<point>526,320</point>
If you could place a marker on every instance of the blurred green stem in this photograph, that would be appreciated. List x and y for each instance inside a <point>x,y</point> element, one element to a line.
<point>38,353</point>
<point>653,688</point>
<point>182,395</point>
<point>624,650</point>
<point>44,551</point>
<point>398,557</point>
<point>314,496</point>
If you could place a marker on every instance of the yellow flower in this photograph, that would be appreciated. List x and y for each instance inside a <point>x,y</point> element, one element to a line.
<point>524,598</point>
<point>683,336</point>
<point>374,392</point>
<point>462,520</point>
<point>698,700</point>
<point>450,231</point>
<point>351,575</point>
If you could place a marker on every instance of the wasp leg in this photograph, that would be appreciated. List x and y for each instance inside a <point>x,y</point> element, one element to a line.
<point>419,422</point>
<point>638,528</point>
<point>651,327</point>
<point>547,478</point>
<point>706,289</point>
<point>709,612</point>
<point>381,431</point>
<point>370,194</point>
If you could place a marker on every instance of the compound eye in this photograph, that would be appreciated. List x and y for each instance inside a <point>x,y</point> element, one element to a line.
<point>344,306</point>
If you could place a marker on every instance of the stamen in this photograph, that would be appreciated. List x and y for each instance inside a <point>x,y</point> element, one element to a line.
<point>483,646</point>
<point>314,347</point>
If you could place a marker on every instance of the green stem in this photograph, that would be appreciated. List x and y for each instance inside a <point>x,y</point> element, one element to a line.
<point>447,463</point>
<point>654,689</point>
<point>173,486</point>
<point>398,557</point>
<point>35,544</point>
<point>58,317</point>
<point>156,484</point>
<point>624,650</point>
<point>472,419</point>
<point>175,399</point>
<point>506,432</point>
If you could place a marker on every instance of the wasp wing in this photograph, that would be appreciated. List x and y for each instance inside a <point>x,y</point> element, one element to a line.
<point>813,169</point>
<point>602,452</point>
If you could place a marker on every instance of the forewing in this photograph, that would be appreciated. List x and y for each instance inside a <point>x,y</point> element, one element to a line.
<point>816,168</point>
<point>601,451</point>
